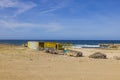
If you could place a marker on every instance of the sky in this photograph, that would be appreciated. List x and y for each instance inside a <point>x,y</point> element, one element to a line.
<point>60,19</point>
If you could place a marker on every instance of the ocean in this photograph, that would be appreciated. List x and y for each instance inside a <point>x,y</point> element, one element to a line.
<point>75,43</point>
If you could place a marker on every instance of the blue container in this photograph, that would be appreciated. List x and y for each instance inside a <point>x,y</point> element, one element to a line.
<point>66,51</point>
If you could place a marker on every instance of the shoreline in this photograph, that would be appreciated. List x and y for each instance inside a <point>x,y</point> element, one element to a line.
<point>110,52</point>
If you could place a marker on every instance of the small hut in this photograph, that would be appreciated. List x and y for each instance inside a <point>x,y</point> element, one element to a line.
<point>42,45</point>
<point>50,45</point>
<point>33,45</point>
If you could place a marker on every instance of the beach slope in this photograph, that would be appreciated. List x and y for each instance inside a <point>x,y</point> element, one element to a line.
<point>20,63</point>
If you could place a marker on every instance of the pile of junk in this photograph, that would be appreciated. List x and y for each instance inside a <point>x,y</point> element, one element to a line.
<point>53,48</point>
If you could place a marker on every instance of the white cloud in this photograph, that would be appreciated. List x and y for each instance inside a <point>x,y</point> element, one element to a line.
<point>20,7</point>
<point>24,7</point>
<point>50,27</point>
<point>48,6</point>
<point>7,3</point>
<point>45,6</point>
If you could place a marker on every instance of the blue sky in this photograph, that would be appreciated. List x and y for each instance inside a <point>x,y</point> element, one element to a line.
<point>60,19</point>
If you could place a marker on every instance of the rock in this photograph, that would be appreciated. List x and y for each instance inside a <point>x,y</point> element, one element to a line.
<point>60,52</point>
<point>54,52</point>
<point>79,54</point>
<point>70,54</point>
<point>41,49</point>
<point>98,55</point>
<point>46,50</point>
<point>75,54</point>
<point>24,45</point>
<point>116,57</point>
<point>31,59</point>
<point>49,51</point>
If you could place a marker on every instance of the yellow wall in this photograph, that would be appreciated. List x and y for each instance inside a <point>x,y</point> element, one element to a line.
<point>50,45</point>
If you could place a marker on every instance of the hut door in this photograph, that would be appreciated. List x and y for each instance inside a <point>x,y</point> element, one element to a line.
<point>56,47</point>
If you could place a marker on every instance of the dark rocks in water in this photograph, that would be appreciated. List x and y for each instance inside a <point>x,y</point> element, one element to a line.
<point>98,55</point>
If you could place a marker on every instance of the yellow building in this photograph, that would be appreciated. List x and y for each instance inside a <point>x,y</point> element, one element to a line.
<point>42,45</point>
<point>50,45</point>
<point>33,45</point>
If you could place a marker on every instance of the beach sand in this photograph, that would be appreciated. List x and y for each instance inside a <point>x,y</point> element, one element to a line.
<point>20,63</point>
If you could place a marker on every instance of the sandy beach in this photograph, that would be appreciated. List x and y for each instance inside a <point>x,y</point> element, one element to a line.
<point>20,63</point>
